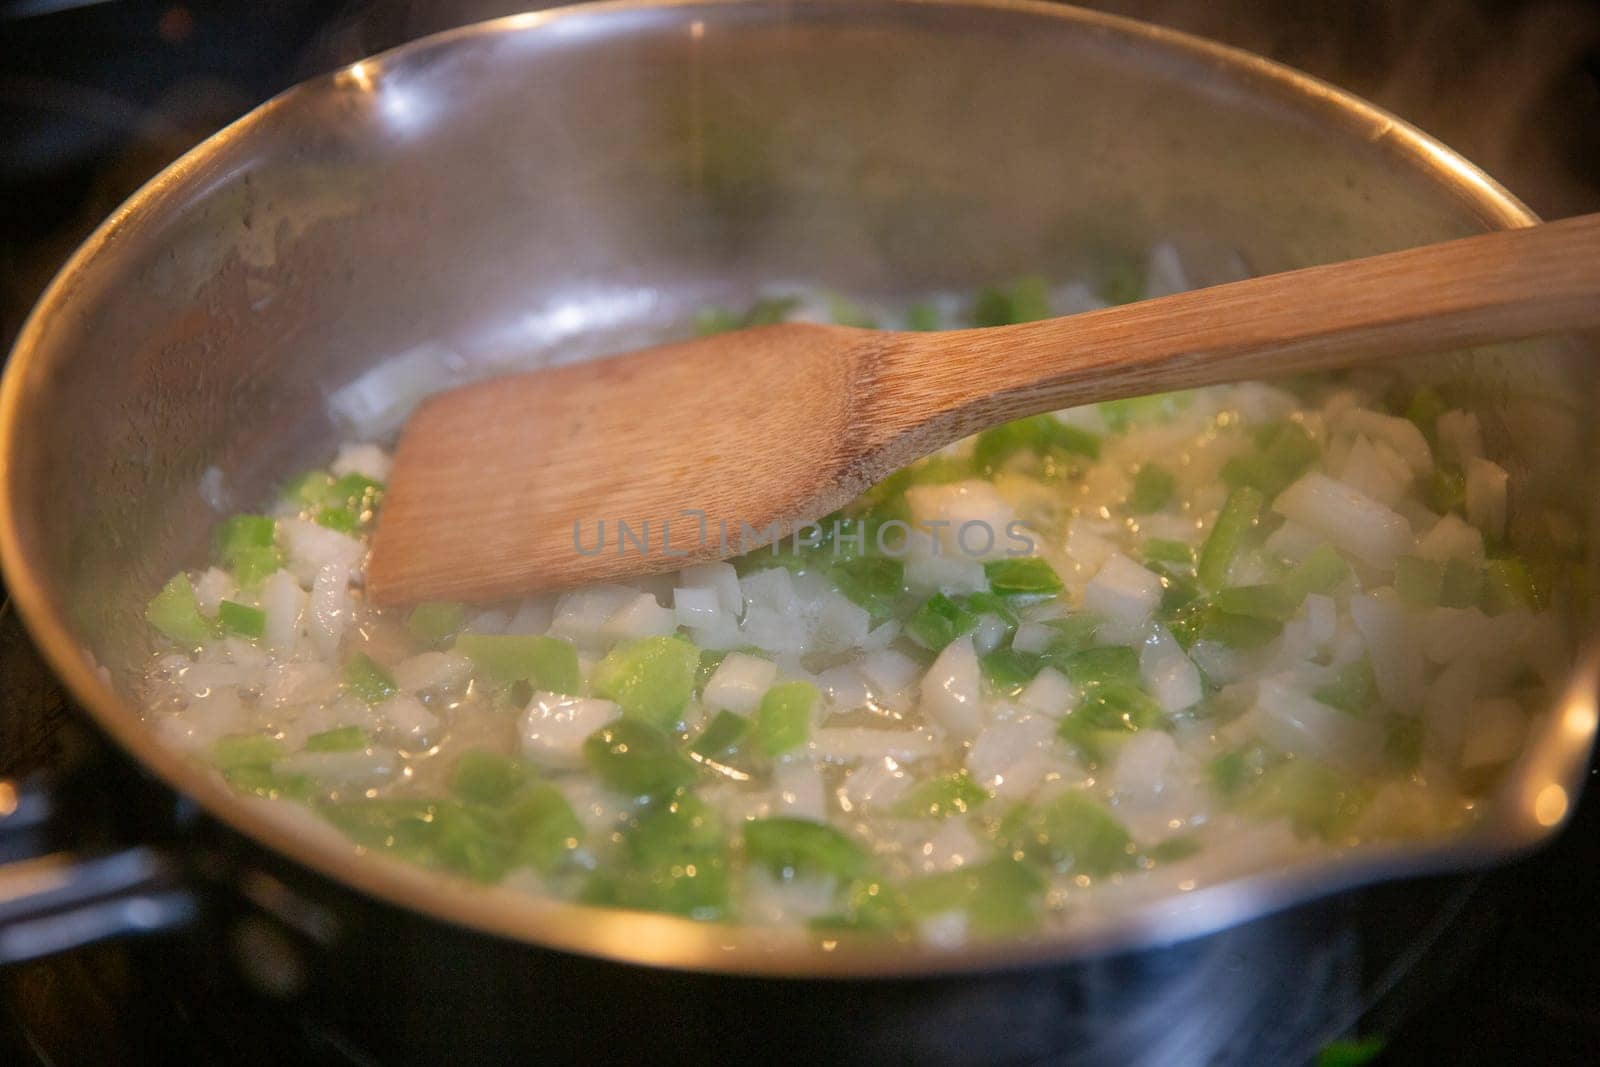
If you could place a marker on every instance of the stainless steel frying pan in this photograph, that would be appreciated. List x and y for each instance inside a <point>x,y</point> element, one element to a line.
<point>563,184</point>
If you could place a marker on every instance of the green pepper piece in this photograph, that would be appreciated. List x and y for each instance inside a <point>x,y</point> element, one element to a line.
<point>637,759</point>
<point>1072,833</point>
<point>939,621</point>
<point>1099,666</point>
<point>1237,518</point>
<point>790,847</point>
<point>1000,897</point>
<point>339,739</point>
<point>241,619</point>
<point>1321,571</point>
<point>871,582</point>
<point>246,750</point>
<point>720,739</point>
<point>175,612</point>
<point>923,318</point>
<point>1507,584</point>
<point>1027,577</point>
<point>484,777</point>
<point>1315,800</point>
<point>1353,689</point>
<point>367,680</point>
<point>942,797</point>
<point>1274,602</point>
<point>433,621</point>
<point>1460,584</point>
<point>783,721</point>
<point>673,859</point>
<point>1153,488</point>
<point>547,663</point>
<point>1419,582</point>
<point>1008,671</point>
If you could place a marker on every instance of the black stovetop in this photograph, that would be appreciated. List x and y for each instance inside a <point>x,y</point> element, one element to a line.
<point>94,97</point>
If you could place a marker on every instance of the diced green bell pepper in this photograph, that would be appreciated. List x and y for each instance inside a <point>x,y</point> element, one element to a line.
<point>175,612</point>
<point>1237,518</point>
<point>938,621</point>
<point>1072,833</point>
<point>547,663</point>
<point>339,739</point>
<point>1153,487</point>
<point>1027,577</point>
<point>942,797</point>
<point>783,721</point>
<point>1000,898</point>
<point>637,759</point>
<point>1353,689</point>
<point>241,619</point>
<point>434,621</point>
<point>368,680</point>
<point>674,859</point>
<point>789,847</point>
<point>651,679</point>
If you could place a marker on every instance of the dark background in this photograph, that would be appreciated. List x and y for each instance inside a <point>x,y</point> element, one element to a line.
<point>97,96</point>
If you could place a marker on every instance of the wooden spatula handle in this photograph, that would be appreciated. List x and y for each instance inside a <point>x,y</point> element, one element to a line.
<point>1495,287</point>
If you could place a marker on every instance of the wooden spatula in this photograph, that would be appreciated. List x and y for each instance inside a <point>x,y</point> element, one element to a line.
<point>499,488</point>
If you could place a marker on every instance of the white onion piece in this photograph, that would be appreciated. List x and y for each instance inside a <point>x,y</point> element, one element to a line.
<point>554,727</point>
<point>1142,765</point>
<point>213,586</point>
<point>1290,720</point>
<point>1493,733</point>
<point>1486,496</point>
<point>362,766</point>
<point>1448,703</point>
<point>1402,435</point>
<point>852,744</point>
<point>432,670</point>
<point>1293,541</point>
<point>1350,519</point>
<point>533,616</point>
<point>1365,471</point>
<point>1010,758</point>
<point>369,461</point>
<point>875,784</point>
<point>739,682</point>
<point>771,588</point>
<point>643,616</point>
<point>989,635</point>
<point>1450,538</point>
<point>1322,619</point>
<point>952,689</point>
<point>311,547</point>
<point>888,671</point>
<point>1034,637</point>
<point>1123,591</point>
<point>329,609</point>
<point>844,687</point>
<point>408,716</point>
<point>973,504</point>
<point>297,683</point>
<point>798,791</point>
<point>721,578</point>
<point>1169,674</point>
<point>581,616</point>
<point>697,607</point>
<point>1396,660</point>
<point>841,624</point>
<point>952,574</point>
<point>1049,694</point>
<point>282,600</point>
<point>1460,437</point>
